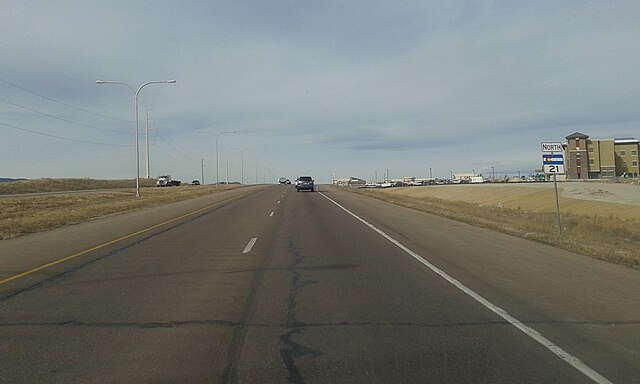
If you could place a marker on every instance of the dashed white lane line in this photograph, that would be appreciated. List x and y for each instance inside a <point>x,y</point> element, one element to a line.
<point>278,201</point>
<point>271,215</point>
<point>527,330</point>
<point>250,245</point>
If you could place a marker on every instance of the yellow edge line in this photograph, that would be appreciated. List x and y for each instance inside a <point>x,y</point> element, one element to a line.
<point>70,257</point>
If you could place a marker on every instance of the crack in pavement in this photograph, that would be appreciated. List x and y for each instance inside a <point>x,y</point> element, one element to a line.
<point>292,350</point>
<point>294,326</point>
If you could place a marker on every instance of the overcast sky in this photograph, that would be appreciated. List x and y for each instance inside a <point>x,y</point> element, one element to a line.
<point>316,87</point>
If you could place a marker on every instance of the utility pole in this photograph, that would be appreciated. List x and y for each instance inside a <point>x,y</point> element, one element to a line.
<point>202,166</point>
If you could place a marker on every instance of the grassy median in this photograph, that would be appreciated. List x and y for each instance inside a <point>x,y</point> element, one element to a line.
<point>608,232</point>
<point>20,215</point>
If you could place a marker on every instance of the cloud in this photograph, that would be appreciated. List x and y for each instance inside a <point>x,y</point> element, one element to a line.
<point>404,83</point>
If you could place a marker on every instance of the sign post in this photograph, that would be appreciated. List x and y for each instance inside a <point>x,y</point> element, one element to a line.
<point>553,163</point>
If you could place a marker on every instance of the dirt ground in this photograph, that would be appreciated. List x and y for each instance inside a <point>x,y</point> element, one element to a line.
<point>591,198</point>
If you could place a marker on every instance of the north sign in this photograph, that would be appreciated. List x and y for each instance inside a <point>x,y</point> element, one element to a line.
<point>552,147</point>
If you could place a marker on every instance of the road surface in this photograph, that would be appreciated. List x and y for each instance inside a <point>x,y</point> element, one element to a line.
<point>263,284</point>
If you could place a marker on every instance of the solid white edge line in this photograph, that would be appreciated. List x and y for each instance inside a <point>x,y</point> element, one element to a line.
<point>527,330</point>
<point>250,245</point>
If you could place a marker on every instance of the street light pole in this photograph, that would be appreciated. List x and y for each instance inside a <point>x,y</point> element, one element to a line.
<point>217,162</point>
<point>147,140</point>
<point>242,160</point>
<point>135,105</point>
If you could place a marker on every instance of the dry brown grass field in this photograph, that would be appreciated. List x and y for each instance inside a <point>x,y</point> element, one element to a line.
<point>61,185</point>
<point>20,215</point>
<point>604,230</point>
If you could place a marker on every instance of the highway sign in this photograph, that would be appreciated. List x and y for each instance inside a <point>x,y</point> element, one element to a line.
<point>553,163</point>
<point>554,169</point>
<point>551,147</point>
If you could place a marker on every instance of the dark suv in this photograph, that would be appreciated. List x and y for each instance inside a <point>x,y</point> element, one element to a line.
<point>305,183</point>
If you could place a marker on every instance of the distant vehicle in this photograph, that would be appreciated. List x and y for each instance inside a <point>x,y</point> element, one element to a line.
<point>305,183</point>
<point>195,182</point>
<point>284,180</point>
<point>166,181</point>
<point>477,180</point>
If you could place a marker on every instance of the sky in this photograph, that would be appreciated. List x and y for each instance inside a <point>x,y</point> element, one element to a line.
<point>320,88</point>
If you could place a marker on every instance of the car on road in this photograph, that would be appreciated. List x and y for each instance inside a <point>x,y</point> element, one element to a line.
<point>305,183</point>
<point>195,182</point>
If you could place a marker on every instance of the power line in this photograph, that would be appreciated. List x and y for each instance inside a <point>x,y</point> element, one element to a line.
<point>63,138</point>
<point>175,146</point>
<point>62,119</point>
<point>61,103</point>
<point>177,149</point>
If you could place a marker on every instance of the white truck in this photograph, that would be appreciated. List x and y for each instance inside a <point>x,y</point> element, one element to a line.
<point>166,181</point>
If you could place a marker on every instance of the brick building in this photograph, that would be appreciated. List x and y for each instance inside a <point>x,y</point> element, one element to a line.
<point>587,158</point>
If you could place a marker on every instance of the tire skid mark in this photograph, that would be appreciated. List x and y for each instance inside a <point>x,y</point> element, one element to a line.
<point>230,374</point>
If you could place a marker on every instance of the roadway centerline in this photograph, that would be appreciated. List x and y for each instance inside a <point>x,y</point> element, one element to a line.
<point>527,330</point>
<point>250,245</point>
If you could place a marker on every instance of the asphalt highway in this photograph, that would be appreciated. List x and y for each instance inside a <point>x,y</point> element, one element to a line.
<point>266,285</point>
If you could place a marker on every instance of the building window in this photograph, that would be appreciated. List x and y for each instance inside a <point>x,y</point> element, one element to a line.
<point>634,153</point>
<point>623,152</point>
<point>590,149</point>
<point>592,161</point>
<point>634,163</point>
